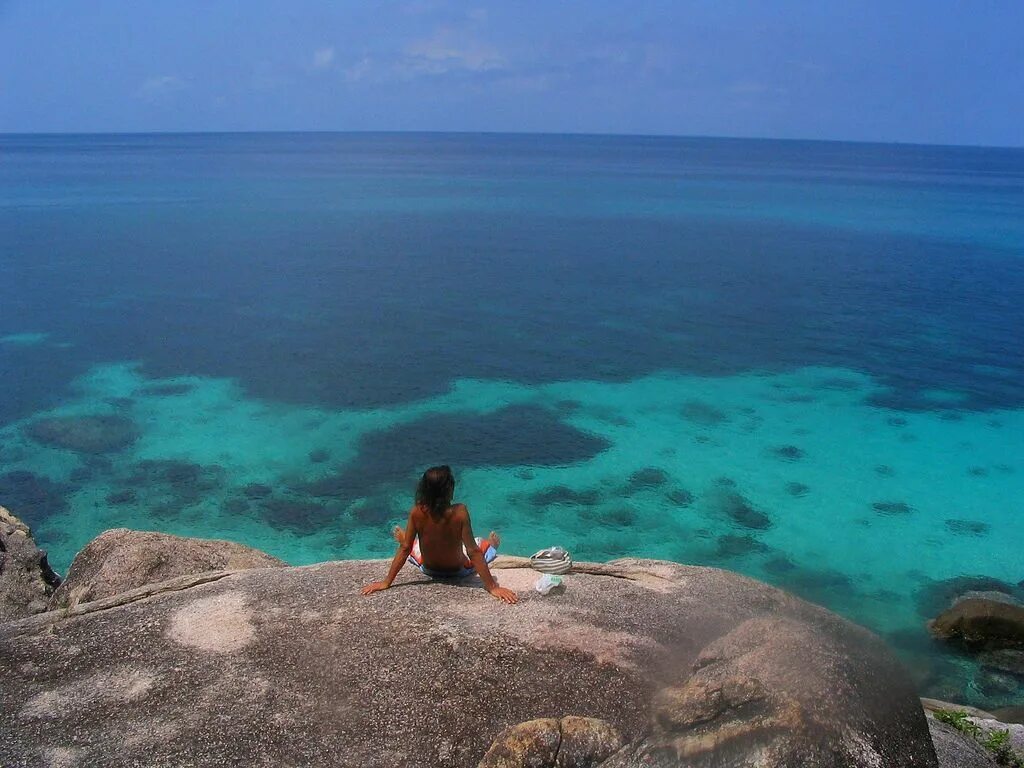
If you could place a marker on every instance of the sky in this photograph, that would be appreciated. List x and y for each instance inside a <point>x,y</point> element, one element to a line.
<point>931,71</point>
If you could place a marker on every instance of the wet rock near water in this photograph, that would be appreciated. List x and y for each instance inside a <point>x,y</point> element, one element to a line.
<point>26,579</point>
<point>982,622</point>
<point>85,434</point>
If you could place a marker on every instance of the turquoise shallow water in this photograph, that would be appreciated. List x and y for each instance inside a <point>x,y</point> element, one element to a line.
<point>799,361</point>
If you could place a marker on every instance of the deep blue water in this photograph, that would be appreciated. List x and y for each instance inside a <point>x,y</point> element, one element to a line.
<point>801,360</point>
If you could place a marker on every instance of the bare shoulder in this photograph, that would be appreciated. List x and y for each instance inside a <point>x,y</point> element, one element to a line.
<point>460,511</point>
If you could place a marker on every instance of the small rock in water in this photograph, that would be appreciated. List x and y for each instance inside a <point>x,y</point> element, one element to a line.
<point>788,452</point>
<point>884,470</point>
<point>896,421</point>
<point>680,497</point>
<point>797,489</point>
<point>739,510</point>
<point>126,496</point>
<point>892,507</point>
<point>257,491</point>
<point>977,472</point>
<point>648,477</point>
<point>736,546</point>
<point>968,527</point>
<point>319,456</point>
<point>697,412</point>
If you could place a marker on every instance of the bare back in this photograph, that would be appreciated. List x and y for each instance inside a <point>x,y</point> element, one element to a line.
<point>442,536</point>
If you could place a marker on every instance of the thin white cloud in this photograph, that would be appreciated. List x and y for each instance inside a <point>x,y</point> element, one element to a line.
<point>442,53</point>
<point>159,87</point>
<point>323,58</point>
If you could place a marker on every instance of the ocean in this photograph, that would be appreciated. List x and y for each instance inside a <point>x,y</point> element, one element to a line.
<point>798,360</point>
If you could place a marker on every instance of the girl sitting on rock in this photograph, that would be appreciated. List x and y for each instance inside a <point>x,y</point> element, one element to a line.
<point>438,538</point>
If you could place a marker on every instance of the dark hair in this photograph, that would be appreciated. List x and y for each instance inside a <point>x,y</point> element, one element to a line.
<point>435,489</point>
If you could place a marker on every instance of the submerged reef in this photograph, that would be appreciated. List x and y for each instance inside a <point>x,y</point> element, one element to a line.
<point>84,434</point>
<point>738,509</point>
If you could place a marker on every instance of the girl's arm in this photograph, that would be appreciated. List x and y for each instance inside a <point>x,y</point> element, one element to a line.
<point>476,557</point>
<point>401,555</point>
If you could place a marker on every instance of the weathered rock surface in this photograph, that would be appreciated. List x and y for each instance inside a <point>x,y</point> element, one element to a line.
<point>119,560</point>
<point>569,742</point>
<point>982,621</point>
<point>291,666</point>
<point>26,579</point>
<point>957,750</point>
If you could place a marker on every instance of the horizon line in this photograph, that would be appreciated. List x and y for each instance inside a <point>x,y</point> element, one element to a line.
<point>581,134</point>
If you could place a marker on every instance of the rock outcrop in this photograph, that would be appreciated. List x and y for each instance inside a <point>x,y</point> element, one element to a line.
<point>955,749</point>
<point>665,664</point>
<point>119,560</point>
<point>982,622</point>
<point>26,579</point>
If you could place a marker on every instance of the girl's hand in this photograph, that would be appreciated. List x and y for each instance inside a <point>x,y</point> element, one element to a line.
<point>377,586</point>
<point>505,595</point>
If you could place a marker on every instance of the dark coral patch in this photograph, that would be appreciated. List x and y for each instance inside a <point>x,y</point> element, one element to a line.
<point>371,513</point>
<point>787,452</point>
<point>703,414</point>
<point>734,506</point>
<point>257,491</point>
<point>896,421</point>
<point>298,515</point>
<point>680,497</point>
<point>725,482</point>
<point>126,496</point>
<point>562,494</point>
<point>892,507</point>
<point>32,497</point>
<point>646,479</point>
<point>977,472</point>
<point>884,470</point>
<point>84,434</point>
<point>839,384</point>
<point>319,456</point>
<point>797,489</point>
<point>731,545</point>
<point>185,482</point>
<point>511,437</point>
<point>822,586</point>
<point>167,390</point>
<point>235,506</point>
<point>619,518</point>
<point>968,527</point>
<point>778,566</point>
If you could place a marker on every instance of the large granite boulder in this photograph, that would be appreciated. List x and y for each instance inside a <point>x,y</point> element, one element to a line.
<point>292,666</point>
<point>26,579</point>
<point>119,560</point>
